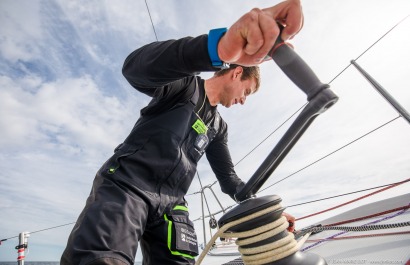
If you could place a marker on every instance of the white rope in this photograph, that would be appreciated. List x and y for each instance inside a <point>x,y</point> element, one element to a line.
<point>262,254</point>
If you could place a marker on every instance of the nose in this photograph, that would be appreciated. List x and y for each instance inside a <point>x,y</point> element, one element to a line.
<point>242,100</point>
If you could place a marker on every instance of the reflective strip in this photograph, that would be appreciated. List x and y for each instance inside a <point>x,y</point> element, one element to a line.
<point>169,239</point>
<point>180,207</point>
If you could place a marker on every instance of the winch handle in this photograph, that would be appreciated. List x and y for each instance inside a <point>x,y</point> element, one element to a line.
<point>296,68</point>
<point>320,98</point>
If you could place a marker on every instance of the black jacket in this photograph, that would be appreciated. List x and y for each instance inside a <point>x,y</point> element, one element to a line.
<point>164,159</point>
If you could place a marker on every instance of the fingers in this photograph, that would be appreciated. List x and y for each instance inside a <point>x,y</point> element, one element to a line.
<point>291,221</point>
<point>293,22</point>
<point>261,36</point>
<point>252,32</point>
<point>289,13</point>
<point>270,31</point>
<point>250,39</point>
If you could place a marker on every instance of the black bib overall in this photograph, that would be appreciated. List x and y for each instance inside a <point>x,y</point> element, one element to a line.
<point>137,189</point>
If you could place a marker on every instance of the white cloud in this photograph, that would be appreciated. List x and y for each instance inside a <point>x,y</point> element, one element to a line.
<point>59,112</point>
<point>14,47</point>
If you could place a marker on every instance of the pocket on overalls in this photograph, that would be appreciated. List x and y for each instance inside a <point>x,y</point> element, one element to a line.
<point>181,238</point>
<point>122,151</point>
<point>199,143</point>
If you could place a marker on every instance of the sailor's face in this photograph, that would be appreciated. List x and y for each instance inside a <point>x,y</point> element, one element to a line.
<point>237,91</point>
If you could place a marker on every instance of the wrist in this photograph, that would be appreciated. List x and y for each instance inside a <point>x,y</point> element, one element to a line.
<point>213,39</point>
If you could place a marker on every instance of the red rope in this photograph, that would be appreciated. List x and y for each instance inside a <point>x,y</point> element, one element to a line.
<point>369,216</point>
<point>365,196</point>
<point>360,236</point>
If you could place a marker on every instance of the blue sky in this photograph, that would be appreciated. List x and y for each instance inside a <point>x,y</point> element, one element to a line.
<point>64,105</point>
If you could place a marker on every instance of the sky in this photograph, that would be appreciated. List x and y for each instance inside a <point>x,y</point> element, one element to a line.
<point>65,106</point>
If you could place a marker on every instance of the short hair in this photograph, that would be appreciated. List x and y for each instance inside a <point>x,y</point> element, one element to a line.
<point>248,73</point>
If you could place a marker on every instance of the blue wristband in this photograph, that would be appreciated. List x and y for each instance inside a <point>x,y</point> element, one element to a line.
<point>213,38</point>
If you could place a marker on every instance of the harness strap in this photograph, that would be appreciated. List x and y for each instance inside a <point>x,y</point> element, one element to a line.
<point>195,96</point>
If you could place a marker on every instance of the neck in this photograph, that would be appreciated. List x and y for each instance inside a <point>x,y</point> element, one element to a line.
<point>212,87</point>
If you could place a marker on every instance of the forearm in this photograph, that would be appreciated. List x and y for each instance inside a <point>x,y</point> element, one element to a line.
<point>221,163</point>
<point>160,63</point>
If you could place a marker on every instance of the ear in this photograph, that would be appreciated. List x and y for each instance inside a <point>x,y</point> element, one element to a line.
<point>237,72</point>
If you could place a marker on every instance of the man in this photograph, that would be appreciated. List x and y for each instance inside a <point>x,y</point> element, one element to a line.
<point>137,195</point>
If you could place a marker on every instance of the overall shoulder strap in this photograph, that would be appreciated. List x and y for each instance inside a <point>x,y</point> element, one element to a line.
<point>195,96</point>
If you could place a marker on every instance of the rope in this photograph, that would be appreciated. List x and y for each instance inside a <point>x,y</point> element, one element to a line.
<point>361,236</point>
<point>316,161</point>
<point>374,43</point>
<point>318,229</point>
<point>331,153</point>
<point>309,230</point>
<point>318,200</point>
<point>357,199</point>
<point>149,13</point>
<point>340,195</point>
<point>263,254</point>
<point>280,126</point>
<point>370,223</point>
<point>370,216</point>
<point>38,231</point>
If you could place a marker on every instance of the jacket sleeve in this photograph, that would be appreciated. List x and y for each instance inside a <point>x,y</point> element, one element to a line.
<point>159,63</point>
<point>220,160</point>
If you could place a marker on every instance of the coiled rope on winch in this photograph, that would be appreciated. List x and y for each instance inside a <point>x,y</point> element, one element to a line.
<point>262,254</point>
